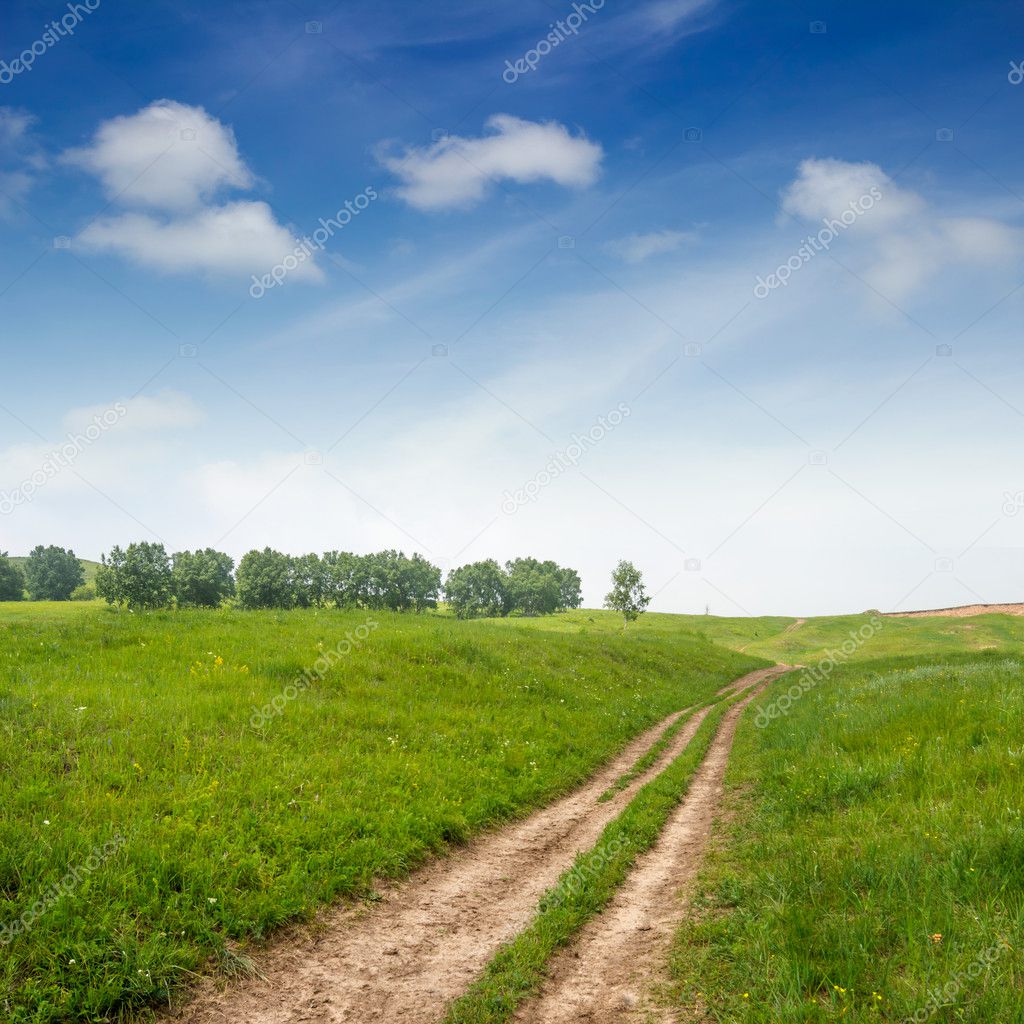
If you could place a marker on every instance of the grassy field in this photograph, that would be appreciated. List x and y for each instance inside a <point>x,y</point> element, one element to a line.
<point>874,867</point>
<point>164,792</point>
<point>767,636</point>
<point>175,782</point>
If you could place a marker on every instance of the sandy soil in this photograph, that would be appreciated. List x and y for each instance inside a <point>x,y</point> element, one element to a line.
<point>963,612</point>
<point>405,958</point>
<point>609,973</point>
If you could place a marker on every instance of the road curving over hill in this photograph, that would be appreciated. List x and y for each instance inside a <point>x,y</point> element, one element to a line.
<point>403,959</point>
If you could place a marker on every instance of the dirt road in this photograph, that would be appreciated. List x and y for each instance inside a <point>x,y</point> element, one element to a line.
<point>609,972</point>
<point>405,958</point>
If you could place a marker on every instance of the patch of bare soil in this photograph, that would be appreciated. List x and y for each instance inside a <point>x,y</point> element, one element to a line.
<point>406,957</point>
<point>610,972</point>
<point>963,612</point>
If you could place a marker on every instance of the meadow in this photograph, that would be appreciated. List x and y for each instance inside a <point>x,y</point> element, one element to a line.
<point>873,866</point>
<point>174,783</point>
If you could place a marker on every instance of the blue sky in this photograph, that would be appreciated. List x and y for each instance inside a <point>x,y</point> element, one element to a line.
<point>523,254</point>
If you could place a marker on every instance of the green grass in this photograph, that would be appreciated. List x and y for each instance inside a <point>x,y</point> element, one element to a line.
<point>517,970</point>
<point>134,730</point>
<point>766,636</point>
<point>655,751</point>
<point>878,852</point>
<point>883,809</point>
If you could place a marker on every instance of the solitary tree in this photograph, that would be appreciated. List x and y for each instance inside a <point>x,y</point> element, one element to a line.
<point>628,594</point>
<point>52,573</point>
<point>140,576</point>
<point>12,579</point>
<point>202,579</point>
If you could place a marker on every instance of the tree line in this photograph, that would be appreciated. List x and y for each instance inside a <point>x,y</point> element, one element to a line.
<point>144,576</point>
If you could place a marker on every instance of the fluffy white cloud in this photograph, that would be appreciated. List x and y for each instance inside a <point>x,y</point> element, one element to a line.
<point>173,159</point>
<point>823,189</point>
<point>240,237</point>
<point>908,242</point>
<point>456,171</point>
<point>168,155</point>
<point>639,247</point>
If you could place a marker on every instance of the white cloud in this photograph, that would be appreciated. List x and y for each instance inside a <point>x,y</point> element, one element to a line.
<point>670,17</point>
<point>639,247</point>
<point>823,189</point>
<point>168,155</point>
<point>173,159</point>
<point>167,410</point>
<point>14,126</point>
<point>240,237</point>
<point>19,158</point>
<point>457,172</point>
<point>908,242</point>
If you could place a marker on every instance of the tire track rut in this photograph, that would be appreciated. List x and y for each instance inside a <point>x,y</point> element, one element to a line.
<point>405,958</point>
<point>608,973</point>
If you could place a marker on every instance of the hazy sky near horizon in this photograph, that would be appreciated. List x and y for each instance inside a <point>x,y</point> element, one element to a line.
<point>363,275</point>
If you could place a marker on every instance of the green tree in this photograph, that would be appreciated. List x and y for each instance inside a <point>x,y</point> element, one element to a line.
<point>310,581</point>
<point>422,583</point>
<point>533,587</point>
<point>139,576</point>
<point>628,594</point>
<point>570,589</point>
<point>266,579</point>
<point>480,588</point>
<point>202,579</point>
<point>12,579</point>
<point>52,573</point>
<point>344,579</point>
